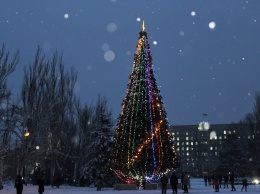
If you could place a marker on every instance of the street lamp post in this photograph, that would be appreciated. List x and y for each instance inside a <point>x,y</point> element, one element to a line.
<point>26,134</point>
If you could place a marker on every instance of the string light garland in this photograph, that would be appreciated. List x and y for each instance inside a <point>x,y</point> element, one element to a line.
<point>143,146</point>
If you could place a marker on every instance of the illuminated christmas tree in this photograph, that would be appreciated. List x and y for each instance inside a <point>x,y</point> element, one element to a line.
<point>143,145</point>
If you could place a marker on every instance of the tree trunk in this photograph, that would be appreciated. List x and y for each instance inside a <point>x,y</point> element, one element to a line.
<point>75,171</point>
<point>1,170</point>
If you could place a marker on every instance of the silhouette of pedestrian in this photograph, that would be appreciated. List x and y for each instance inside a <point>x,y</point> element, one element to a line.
<point>216,183</point>
<point>174,183</point>
<point>186,182</point>
<point>232,181</point>
<point>40,183</point>
<point>19,182</point>
<point>99,178</point>
<point>182,186</point>
<point>205,177</point>
<point>220,180</point>
<point>164,181</point>
<point>244,184</point>
<point>144,182</point>
<point>209,180</point>
<point>226,181</point>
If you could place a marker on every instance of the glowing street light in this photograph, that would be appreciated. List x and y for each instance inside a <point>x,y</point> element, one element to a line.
<point>256,181</point>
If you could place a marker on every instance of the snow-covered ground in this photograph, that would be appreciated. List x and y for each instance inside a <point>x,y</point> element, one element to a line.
<point>197,187</point>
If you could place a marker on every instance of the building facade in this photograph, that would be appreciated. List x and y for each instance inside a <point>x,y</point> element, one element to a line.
<point>198,146</point>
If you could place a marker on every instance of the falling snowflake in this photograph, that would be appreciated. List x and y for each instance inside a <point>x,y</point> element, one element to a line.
<point>111,27</point>
<point>109,55</point>
<point>193,13</point>
<point>212,25</point>
<point>66,16</point>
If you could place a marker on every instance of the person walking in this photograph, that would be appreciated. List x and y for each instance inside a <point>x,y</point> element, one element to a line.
<point>232,181</point>
<point>182,186</point>
<point>99,178</point>
<point>216,183</point>
<point>174,183</point>
<point>244,184</point>
<point>205,177</point>
<point>213,181</point>
<point>226,181</point>
<point>209,180</point>
<point>19,182</point>
<point>164,181</point>
<point>143,182</point>
<point>40,183</point>
<point>185,183</point>
<point>220,180</point>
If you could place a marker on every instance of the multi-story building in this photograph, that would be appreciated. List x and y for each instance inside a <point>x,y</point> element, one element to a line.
<point>198,145</point>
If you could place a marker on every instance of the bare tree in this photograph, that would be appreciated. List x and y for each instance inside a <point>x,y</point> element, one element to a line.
<point>256,109</point>
<point>48,97</point>
<point>256,129</point>
<point>7,66</point>
<point>81,140</point>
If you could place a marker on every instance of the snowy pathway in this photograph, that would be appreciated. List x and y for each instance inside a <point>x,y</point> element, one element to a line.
<point>197,187</point>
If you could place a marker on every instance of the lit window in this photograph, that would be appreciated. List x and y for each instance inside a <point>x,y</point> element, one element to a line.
<point>191,143</point>
<point>249,137</point>
<point>182,148</point>
<point>187,133</point>
<point>178,149</point>
<point>211,148</point>
<point>173,139</point>
<point>225,132</point>
<point>216,137</point>
<point>178,139</point>
<point>229,132</point>
<point>216,153</point>
<point>187,138</point>
<point>220,137</point>
<point>178,143</point>
<point>187,149</point>
<point>187,154</point>
<point>187,143</point>
<point>225,137</point>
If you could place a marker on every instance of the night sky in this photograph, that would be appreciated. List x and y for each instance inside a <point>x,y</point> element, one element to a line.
<point>206,53</point>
